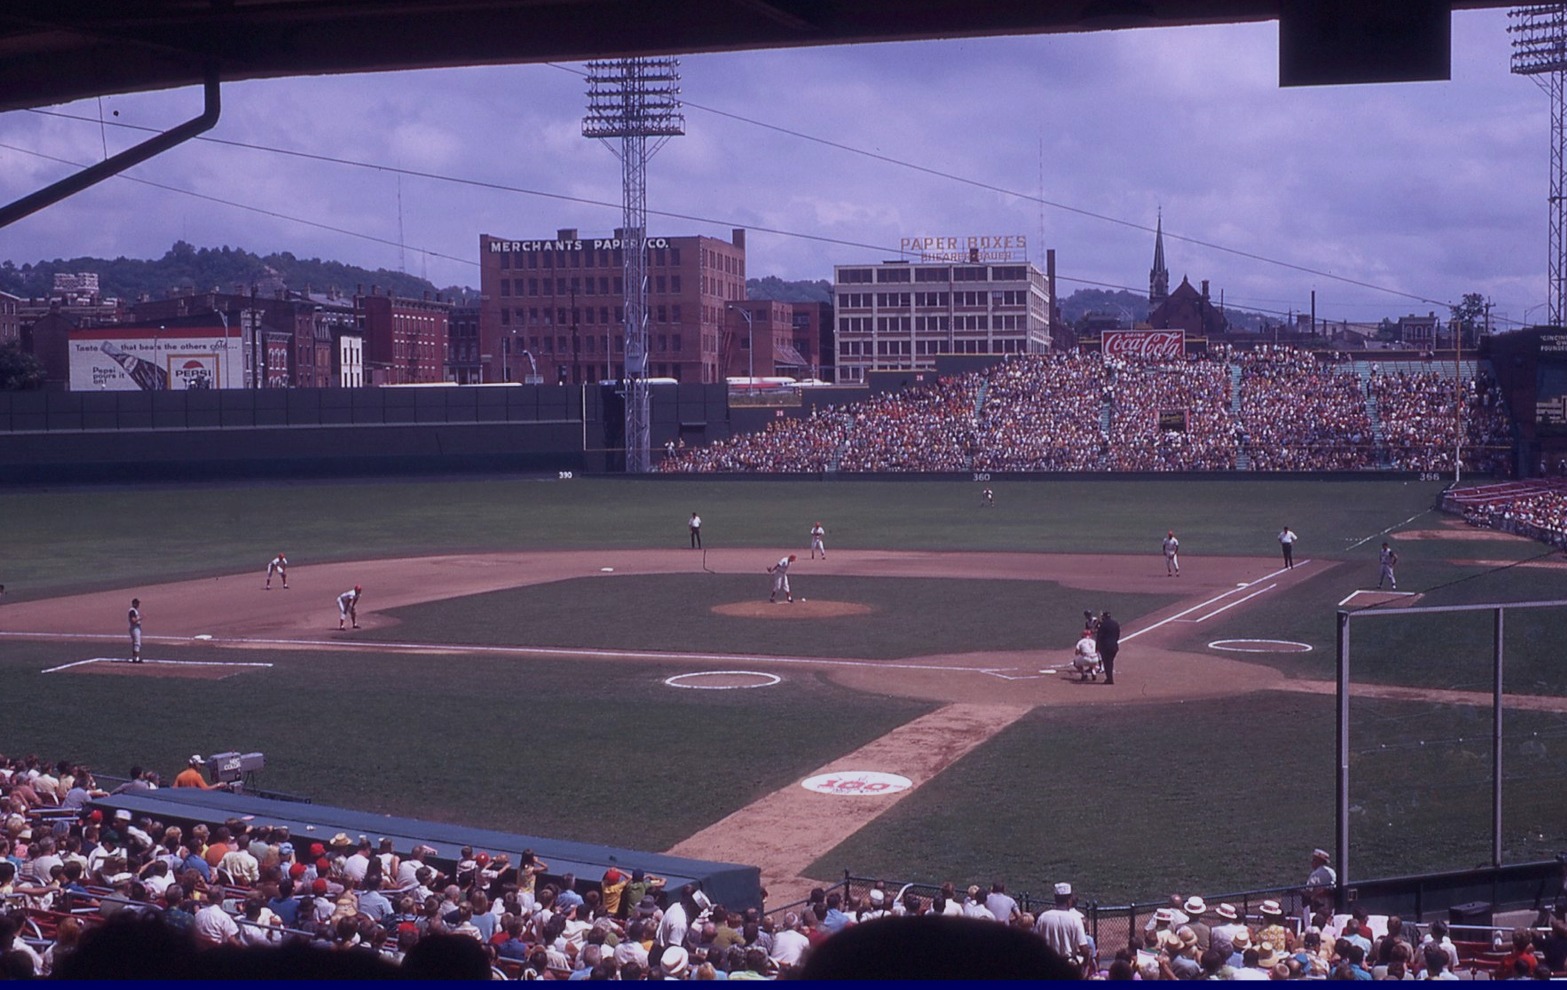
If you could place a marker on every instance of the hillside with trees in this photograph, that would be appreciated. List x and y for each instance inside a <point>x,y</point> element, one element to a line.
<point>226,269</point>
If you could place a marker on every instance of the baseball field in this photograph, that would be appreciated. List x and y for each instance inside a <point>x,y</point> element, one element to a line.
<point>549,656</point>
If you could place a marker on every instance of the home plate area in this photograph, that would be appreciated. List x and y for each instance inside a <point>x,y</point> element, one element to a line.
<point>199,670</point>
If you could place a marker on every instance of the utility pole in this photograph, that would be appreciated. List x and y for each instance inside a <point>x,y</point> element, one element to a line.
<point>634,99</point>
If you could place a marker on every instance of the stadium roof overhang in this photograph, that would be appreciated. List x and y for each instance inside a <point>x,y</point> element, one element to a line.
<point>54,51</point>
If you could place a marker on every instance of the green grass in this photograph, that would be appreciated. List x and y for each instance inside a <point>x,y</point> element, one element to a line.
<point>599,752</point>
<point>61,540</point>
<point>1126,802</point>
<point>910,617</point>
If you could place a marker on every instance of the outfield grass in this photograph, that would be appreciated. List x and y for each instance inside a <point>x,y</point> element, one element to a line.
<point>72,539</point>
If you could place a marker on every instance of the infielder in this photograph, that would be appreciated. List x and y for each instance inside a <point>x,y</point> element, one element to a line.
<point>133,617</point>
<point>817,535</point>
<point>277,565</point>
<point>780,573</point>
<point>348,606</point>
<point>1172,555</point>
<point>1387,559</point>
<point>1287,544</point>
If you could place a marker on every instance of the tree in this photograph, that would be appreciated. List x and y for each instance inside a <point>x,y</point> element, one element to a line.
<point>1470,312</point>
<point>19,370</point>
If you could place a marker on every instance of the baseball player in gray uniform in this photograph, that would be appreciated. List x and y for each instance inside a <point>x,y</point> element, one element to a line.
<point>1387,559</point>
<point>133,617</point>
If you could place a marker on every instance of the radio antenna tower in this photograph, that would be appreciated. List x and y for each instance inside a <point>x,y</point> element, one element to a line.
<point>634,99</point>
<point>1540,50</point>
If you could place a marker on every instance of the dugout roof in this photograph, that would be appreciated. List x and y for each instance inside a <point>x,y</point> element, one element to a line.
<point>730,884</point>
<point>53,51</point>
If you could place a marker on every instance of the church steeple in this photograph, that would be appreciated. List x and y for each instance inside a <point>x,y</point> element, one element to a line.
<point>1158,276</point>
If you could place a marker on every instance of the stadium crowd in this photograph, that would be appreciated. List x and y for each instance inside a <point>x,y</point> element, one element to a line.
<point>91,897</point>
<point>1535,509</point>
<point>1263,409</point>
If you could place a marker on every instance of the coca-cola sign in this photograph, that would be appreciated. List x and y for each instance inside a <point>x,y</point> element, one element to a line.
<point>1144,345</point>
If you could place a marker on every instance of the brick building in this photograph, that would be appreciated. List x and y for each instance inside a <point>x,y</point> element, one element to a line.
<point>786,338</point>
<point>559,303</point>
<point>404,339</point>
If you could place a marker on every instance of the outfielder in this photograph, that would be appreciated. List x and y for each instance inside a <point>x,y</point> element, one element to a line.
<point>133,617</point>
<point>277,565</point>
<point>780,573</point>
<point>1172,555</point>
<point>348,606</point>
<point>817,535</point>
<point>1387,559</point>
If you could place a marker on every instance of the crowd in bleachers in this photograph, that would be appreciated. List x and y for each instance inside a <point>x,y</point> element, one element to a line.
<point>92,896</point>
<point>1418,421</point>
<point>1263,409</point>
<point>1535,509</point>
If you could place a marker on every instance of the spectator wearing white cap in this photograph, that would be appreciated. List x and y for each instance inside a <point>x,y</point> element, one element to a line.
<point>1062,929</point>
<point>874,906</point>
<point>192,776</point>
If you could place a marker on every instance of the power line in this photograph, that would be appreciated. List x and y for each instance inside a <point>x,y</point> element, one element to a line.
<point>242,206</point>
<point>876,156</point>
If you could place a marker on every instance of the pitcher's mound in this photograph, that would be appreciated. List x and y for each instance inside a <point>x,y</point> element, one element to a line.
<point>802,608</point>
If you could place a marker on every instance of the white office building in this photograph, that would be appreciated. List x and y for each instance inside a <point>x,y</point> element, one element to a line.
<point>902,315</point>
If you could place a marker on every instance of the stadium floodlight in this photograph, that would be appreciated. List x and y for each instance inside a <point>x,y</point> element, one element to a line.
<point>1540,50</point>
<point>634,99</point>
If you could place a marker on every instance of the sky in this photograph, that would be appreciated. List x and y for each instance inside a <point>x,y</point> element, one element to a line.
<point>1383,200</point>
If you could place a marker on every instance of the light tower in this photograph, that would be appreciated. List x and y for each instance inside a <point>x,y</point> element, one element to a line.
<point>634,99</point>
<point>1540,49</point>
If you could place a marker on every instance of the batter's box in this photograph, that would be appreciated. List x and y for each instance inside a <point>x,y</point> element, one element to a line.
<point>198,670</point>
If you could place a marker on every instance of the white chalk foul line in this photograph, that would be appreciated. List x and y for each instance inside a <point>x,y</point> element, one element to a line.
<point>1214,601</point>
<point>1390,529</point>
<point>1238,601</point>
<point>166,663</point>
<point>597,653</point>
